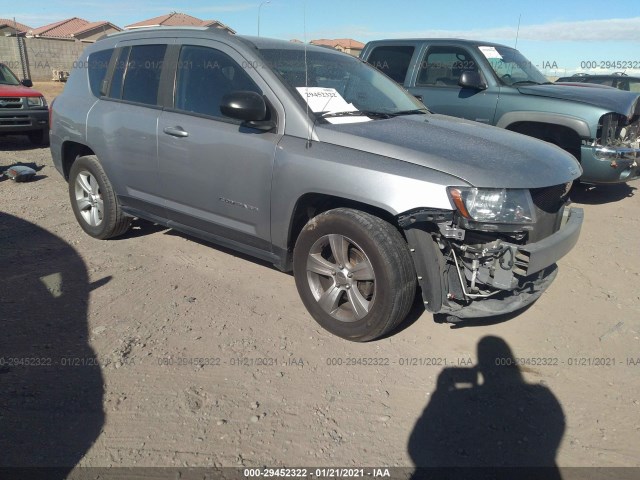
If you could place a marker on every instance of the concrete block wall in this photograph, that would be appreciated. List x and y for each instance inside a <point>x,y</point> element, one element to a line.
<point>44,55</point>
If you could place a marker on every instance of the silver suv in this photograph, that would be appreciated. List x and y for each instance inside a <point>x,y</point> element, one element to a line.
<point>317,162</point>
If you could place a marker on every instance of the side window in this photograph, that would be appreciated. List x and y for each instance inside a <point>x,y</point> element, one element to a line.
<point>603,81</point>
<point>392,60</point>
<point>442,66</point>
<point>97,65</point>
<point>115,91</point>
<point>204,76</point>
<point>142,78</point>
<point>634,85</point>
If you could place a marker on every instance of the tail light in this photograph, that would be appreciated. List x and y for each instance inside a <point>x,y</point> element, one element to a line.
<point>51,112</point>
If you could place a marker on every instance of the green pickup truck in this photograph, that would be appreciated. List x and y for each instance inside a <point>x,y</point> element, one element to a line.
<point>496,85</point>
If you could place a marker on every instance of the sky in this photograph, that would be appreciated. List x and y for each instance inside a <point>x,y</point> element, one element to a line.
<point>561,37</point>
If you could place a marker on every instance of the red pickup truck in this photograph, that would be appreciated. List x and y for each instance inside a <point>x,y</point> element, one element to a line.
<point>23,110</point>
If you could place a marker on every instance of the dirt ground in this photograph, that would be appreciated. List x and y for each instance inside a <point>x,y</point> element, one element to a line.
<point>179,353</point>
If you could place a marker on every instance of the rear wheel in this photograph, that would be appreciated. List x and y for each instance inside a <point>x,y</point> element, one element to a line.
<point>93,200</point>
<point>354,274</point>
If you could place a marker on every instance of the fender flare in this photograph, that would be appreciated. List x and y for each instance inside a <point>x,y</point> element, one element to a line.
<point>577,125</point>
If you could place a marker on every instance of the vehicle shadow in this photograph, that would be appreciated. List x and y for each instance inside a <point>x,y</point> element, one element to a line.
<point>13,143</point>
<point>481,321</point>
<point>417,310</point>
<point>140,228</point>
<point>51,384</point>
<point>228,251</point>
<point>599,194</point>
<point>487,417</point>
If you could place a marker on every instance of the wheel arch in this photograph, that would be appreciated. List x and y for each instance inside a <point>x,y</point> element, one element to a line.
<point>70,152</point>
<point>312,204</point>
<point>578,125</point>
<point>563,135</point>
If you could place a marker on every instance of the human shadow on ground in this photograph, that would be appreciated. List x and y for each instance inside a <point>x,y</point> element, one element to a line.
<point>51,385</point>
<point>486,422</point>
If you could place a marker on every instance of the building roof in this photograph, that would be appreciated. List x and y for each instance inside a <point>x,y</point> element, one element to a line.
<point>339,42</point>
<point>177,19</point>
<point>22,28</point>
<point>217,24</point>
<point>70,28</point>
<point>95,26</point>
<point>62,29</point>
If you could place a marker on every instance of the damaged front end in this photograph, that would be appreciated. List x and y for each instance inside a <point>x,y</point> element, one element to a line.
<point>614,154</point>
<point>495,253</point>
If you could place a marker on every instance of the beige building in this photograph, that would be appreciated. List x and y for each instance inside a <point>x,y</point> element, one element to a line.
<point>177,19</point>
<point>74,29</point>
<point>346,45</point>
<point>9,28</point>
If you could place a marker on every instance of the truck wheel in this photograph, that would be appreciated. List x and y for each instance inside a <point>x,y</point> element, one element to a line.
<point>93,200</point>
<point>354,274</point>
<point>39,137</point>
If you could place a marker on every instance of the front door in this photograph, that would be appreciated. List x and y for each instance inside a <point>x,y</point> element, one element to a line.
<point>437,83</point>
<point>215,172</point>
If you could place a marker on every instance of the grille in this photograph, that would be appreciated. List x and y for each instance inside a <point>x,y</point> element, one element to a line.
<point>16,120</point>
<point>550,199</point>
<point>10,102</point>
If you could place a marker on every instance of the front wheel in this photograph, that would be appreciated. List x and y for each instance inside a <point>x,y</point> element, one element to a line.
<point>93,200</point>
<point>354,274</point>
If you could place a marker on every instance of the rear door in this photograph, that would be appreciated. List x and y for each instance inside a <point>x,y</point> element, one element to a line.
<point>215,172</point>
<point>122,125</point>
<point>393,60</point>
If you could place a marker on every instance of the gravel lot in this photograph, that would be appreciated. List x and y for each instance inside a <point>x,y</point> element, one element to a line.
<point>167,351</point>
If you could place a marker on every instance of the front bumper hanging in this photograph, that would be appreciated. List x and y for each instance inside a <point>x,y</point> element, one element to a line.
<point>515,284</point>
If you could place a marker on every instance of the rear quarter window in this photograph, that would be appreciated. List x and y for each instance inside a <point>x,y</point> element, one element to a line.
<point>393,61</point>
<point>97,65</point>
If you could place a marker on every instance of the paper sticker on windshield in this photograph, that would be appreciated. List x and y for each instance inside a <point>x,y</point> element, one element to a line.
<point>328,100</point>
<point>490,52</point>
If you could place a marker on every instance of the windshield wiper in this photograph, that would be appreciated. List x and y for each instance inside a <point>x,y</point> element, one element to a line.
<point>415,111</point>
<point>529,82</point>
<point>356,113</point>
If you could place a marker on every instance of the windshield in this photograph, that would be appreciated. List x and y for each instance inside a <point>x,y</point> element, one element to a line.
<point>340,84</point>
<point>7,77</point>
<point>511,67</point>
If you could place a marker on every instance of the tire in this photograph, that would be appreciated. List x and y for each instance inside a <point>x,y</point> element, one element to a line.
<point>375,288</point>
<point>93,200</point>
<point>39,137</point>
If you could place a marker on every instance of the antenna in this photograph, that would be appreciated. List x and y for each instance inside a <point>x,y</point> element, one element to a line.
<point>518,31</point>
<point>306,74</point>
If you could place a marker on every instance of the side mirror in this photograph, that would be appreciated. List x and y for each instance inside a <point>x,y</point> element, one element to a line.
<point>247,106</point>
<point>244,105</point>
<point>472,79</point>
<point>26,82</point>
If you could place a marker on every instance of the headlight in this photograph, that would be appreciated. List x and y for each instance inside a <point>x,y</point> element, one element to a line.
<point>494,205</point>
<point>36,102</point>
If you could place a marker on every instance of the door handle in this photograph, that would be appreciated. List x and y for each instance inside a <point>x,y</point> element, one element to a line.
<point>176,132</point>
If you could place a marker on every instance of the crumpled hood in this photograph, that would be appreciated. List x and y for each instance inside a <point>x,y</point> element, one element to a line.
<point>619,101</point>
<point>481,155</point>
<point>18,91</point>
